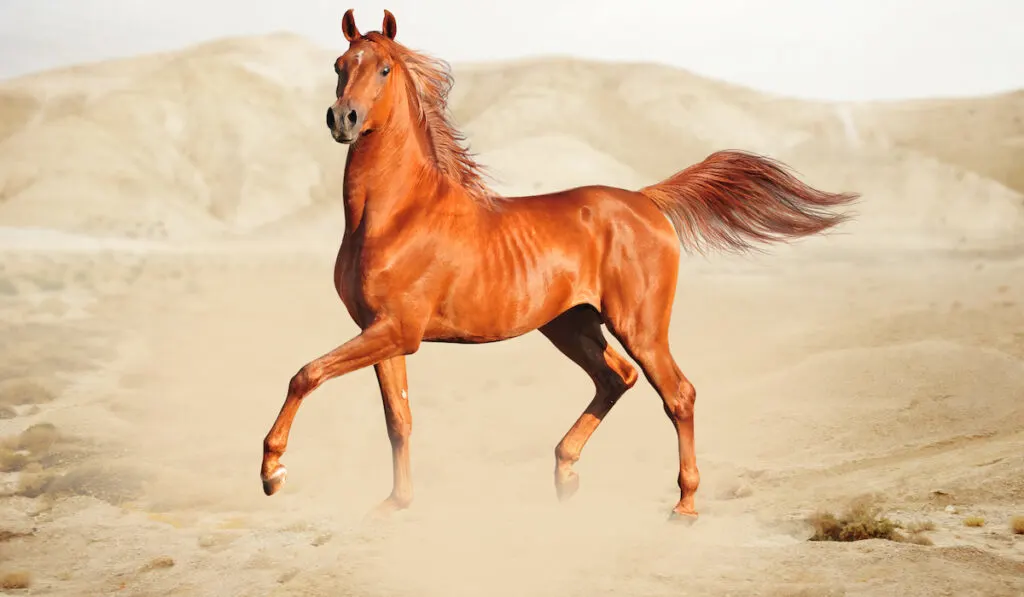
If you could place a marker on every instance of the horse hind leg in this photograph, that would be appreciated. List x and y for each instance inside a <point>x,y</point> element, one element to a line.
<point>577,334</point>
<point>640,322</point>
<point>647,342</point>
<point>678,398</point>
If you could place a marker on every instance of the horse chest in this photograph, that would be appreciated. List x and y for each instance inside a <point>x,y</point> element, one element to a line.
<point>358,276</point>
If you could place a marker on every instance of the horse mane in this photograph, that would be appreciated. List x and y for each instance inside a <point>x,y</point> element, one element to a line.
<point>432,80</point>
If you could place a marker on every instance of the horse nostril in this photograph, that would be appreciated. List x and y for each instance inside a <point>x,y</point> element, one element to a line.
<point>330,118</point>
<point>351,117</point>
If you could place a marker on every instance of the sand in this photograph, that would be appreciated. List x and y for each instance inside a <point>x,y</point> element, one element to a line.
<point>167,229</point>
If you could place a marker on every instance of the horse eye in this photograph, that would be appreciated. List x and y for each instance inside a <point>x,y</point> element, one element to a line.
<point>384,71</point>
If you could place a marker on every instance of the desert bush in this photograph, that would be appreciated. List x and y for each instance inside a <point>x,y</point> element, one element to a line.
<point>861,521</point>
<point>15,580</point>
<point>1017,525</point>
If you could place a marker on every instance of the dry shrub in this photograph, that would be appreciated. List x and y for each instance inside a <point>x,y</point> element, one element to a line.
<point>915,533</point>
<point>33,444</point>
<point>920,526</point>
<point>915,538</point>
<point>16,392</point>
<point>39,438</point>
<point>861,521</point>
<point>1017,525</point>
<point>974,521</point>
<point>15,580</point>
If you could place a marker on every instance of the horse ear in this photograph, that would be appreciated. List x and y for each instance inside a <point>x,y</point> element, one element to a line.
<point>348,26</point>
<point>390,26</point>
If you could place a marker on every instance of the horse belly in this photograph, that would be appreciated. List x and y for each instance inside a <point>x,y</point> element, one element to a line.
<point>479,311</point>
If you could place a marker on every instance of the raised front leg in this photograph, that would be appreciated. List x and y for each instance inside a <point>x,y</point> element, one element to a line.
<point>376,343</point>
<point>394,389</point>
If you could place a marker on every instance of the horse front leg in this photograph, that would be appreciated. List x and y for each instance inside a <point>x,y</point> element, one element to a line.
<point>394,390</point>
<point>377,342</point>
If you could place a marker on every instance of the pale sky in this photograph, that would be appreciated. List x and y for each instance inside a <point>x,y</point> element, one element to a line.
<point>828,49</point>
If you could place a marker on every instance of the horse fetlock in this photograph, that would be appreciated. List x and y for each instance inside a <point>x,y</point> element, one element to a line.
<point>564,455</point>
<point>689,481</point>
<point>400,499</point>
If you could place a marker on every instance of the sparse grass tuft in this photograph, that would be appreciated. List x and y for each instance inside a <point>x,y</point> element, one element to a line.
<point>1017,525</point>
<point>920,526</point>
<point>861,521</point>
<point>916,539</point>
<point>974,521</point>
<point>15,580</point>
<point>915,533</point>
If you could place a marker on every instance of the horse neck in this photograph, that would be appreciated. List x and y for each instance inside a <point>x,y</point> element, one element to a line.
<point>386,171</point>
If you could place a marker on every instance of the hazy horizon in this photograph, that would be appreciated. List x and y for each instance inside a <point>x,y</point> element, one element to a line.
<point>844,50</point>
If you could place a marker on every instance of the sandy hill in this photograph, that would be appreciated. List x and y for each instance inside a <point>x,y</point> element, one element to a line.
<point>226,137</point>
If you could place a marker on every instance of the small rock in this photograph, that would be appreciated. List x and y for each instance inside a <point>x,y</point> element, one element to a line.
<point>951,509</point>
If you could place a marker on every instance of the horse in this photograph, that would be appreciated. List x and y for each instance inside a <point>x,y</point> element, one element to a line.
<point>430,253</point>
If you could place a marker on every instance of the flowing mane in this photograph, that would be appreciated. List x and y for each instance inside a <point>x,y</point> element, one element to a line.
<point>432,80</point>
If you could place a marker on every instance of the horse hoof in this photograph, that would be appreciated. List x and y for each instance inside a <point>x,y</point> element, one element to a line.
<point>273,483</point>
<point>683,518</point>
<point>567,487</point>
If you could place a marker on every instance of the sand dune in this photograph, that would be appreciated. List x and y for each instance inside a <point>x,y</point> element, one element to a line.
<point>168,225</point>
<point>227,139</point>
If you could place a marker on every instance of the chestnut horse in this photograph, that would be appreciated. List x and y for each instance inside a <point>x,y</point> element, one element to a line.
<point>430,254</point>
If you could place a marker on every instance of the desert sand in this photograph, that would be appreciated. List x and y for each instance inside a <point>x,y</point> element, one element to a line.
<point>168,225</point>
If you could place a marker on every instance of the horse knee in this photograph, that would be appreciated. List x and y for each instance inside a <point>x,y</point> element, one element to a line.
<point>302,382</point>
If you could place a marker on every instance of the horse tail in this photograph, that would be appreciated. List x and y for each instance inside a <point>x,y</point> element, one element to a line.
<point>733,199</point>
